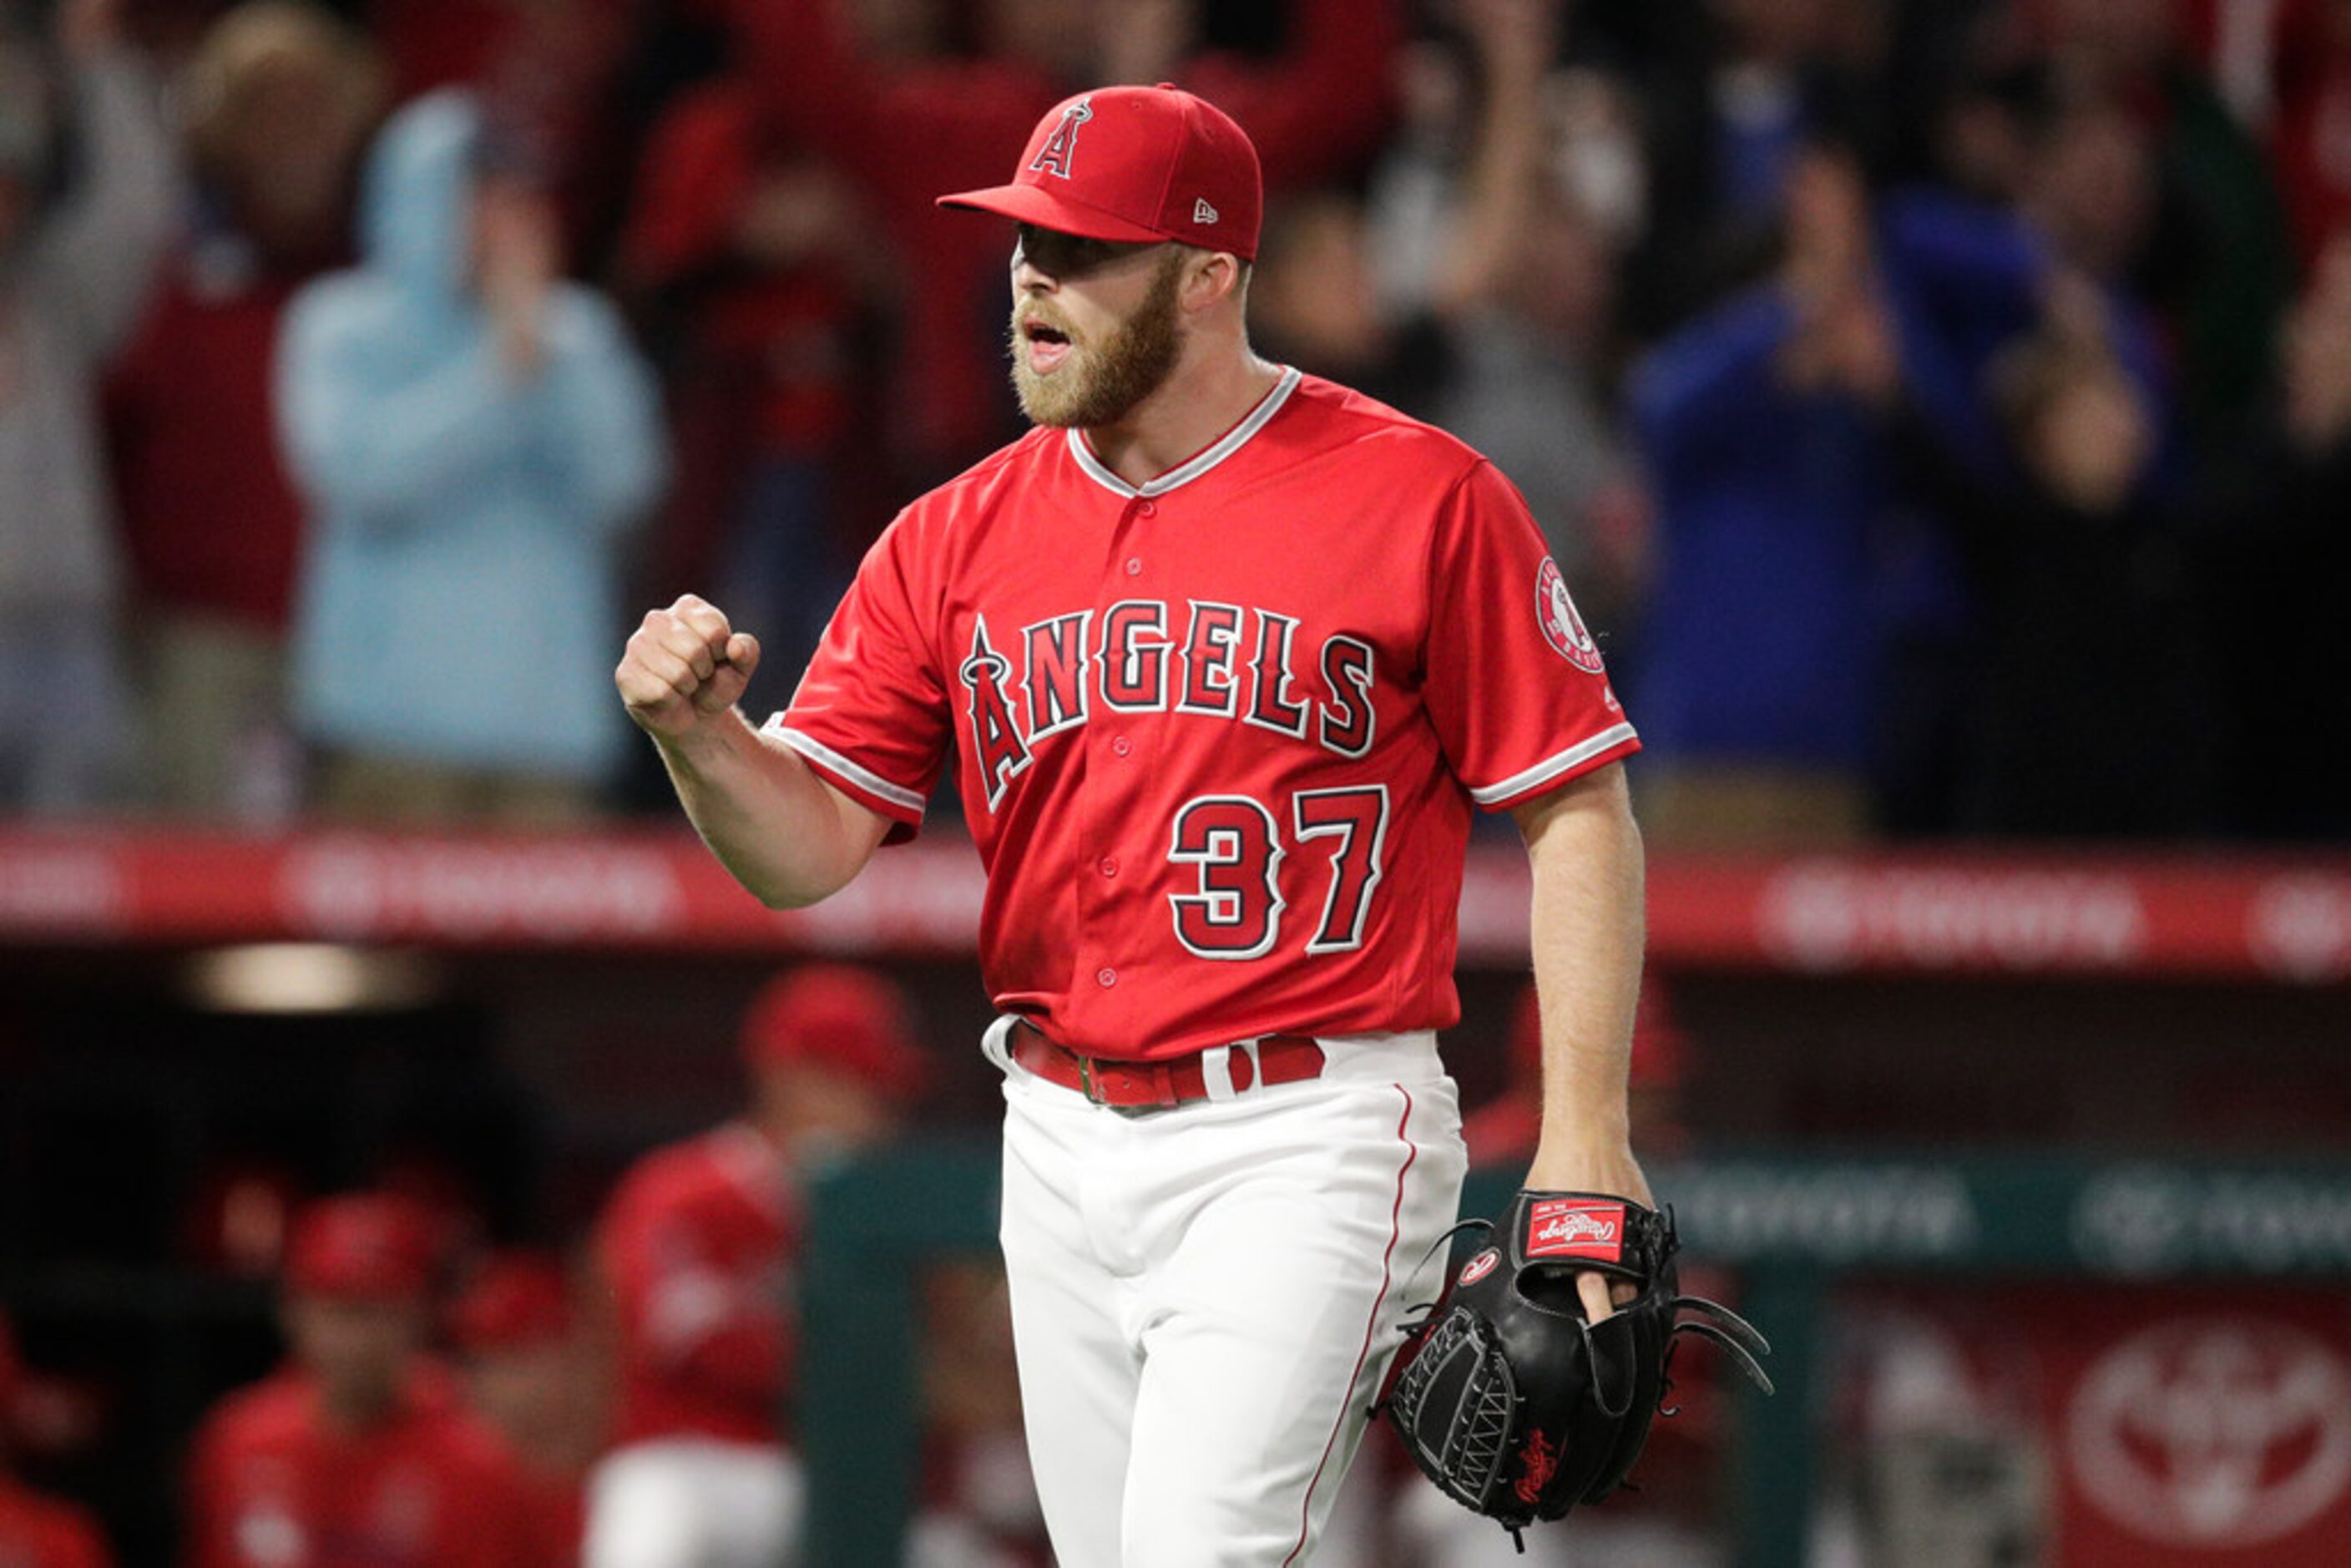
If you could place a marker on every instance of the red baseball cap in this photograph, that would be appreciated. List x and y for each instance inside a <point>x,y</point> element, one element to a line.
<point>1135,165</point>
<point>516,1299</point>
<point>368,1245</point>
<point>838,1016</point>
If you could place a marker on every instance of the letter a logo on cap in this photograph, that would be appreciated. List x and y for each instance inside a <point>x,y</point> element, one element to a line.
<point>1054,157</point>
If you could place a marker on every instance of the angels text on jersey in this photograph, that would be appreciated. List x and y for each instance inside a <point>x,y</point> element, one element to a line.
<point>1242,663</point>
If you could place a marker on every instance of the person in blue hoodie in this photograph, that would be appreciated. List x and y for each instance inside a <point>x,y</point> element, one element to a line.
<point>474,437</point>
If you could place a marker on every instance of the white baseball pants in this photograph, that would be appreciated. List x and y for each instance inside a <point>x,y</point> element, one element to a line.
<point>1205,1299</point>
<point>694,1502</point>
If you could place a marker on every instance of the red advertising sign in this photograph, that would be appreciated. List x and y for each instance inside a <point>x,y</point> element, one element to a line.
<point>2171,1427</point>
<point>1964,912</point>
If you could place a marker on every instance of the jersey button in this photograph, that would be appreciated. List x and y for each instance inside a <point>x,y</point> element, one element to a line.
<point>1106,976</point>
<point>1121,745</point>
<point>1150,508</point>
<point>1134,565</point>
<point>1109,866</point>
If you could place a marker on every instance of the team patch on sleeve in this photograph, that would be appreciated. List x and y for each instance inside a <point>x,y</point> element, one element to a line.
<point>1555,611</point>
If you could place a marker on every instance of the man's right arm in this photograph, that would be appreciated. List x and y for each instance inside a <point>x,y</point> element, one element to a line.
<point>786,834</point>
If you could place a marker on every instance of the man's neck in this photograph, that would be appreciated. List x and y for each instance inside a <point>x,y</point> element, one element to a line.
<point>1204,398</point>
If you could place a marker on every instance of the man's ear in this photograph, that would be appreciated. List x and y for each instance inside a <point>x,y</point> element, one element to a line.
<point>1210,276</point>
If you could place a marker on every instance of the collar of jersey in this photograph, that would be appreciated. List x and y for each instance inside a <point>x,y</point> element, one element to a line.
<point>1232,441</point>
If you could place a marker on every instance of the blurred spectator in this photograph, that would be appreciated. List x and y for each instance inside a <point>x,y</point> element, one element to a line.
<point>2218,264</point>
<point>1976,133</point>
<point>84,203</point>
<point>474,436</point>
<point>2277,569</point>
<point>697,1246</point>
<point>2091,189</point>
<point>529,1376</point>
<point>2047,207</point>
<point>906,131</point>
<point>2313,142</point>
<point>1510,261</point>
<point>748,255</point>
<point>2095,654</point>
<point>2054,202</point>
<point>37,1531</point>
<point>1761,427</point>
<point>1729,120</point>
<point>1314,302</point>
<point>280,97</point>
<point>357,1450</point>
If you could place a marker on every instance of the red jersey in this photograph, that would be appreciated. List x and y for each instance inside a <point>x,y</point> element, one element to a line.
<point>776,335</point>
<point>212,522</point>
<point>272,1486</point>
<point>38,1531</point>
<point>697,1244</point>
<point>1217,738</point>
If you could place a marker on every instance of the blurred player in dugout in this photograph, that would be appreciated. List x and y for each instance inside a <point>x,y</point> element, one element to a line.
<point>697,1246</point>
<point>531,1371</point>
<point>37,1531</point>
<point>360,1449</point>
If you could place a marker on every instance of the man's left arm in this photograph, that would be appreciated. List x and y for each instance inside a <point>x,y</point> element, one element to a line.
<point>1587,928</point>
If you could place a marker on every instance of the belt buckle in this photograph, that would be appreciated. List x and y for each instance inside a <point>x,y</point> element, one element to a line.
<point>1086,1078</point>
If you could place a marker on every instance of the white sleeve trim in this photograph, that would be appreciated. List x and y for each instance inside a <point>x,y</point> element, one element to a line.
<point>1551,768</point>
<point>864,779</point>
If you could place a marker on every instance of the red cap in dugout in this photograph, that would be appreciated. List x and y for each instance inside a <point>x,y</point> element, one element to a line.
<point>1135,165</point>
<point>837,1016</point>
<point>367,1246</point>
<point>517,1300</point>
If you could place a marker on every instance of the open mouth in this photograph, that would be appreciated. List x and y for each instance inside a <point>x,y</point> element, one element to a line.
<point>1048,346</point>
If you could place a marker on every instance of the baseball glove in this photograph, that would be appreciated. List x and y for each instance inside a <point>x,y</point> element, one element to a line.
<point>1516,1405</point>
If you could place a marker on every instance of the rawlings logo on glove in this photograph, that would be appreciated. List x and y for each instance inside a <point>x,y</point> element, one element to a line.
<point>1515,1405</point>
<point>1574,1227</point>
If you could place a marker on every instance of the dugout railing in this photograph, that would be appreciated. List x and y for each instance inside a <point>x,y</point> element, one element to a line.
<point>1789,1226</point>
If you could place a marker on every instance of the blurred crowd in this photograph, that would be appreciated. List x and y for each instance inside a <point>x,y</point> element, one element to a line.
<point>1942,408</point>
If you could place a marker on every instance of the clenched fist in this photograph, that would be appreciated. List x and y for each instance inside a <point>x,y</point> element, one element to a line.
<point>684,665</point>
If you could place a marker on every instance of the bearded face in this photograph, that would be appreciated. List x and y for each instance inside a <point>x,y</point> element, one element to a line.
<point>1065,376</point>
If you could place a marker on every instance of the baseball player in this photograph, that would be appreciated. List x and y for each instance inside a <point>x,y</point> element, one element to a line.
<point>359,1450</point>
<point>696,1246</point>
<point>1226,655</point>
<point>530,1375</point>
<point>38,1530</point>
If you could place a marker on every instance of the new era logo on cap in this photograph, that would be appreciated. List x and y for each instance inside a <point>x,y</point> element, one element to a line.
<point>1135,165</point>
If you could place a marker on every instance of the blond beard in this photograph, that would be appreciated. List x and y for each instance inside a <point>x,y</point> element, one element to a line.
<point>1096,387</point>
